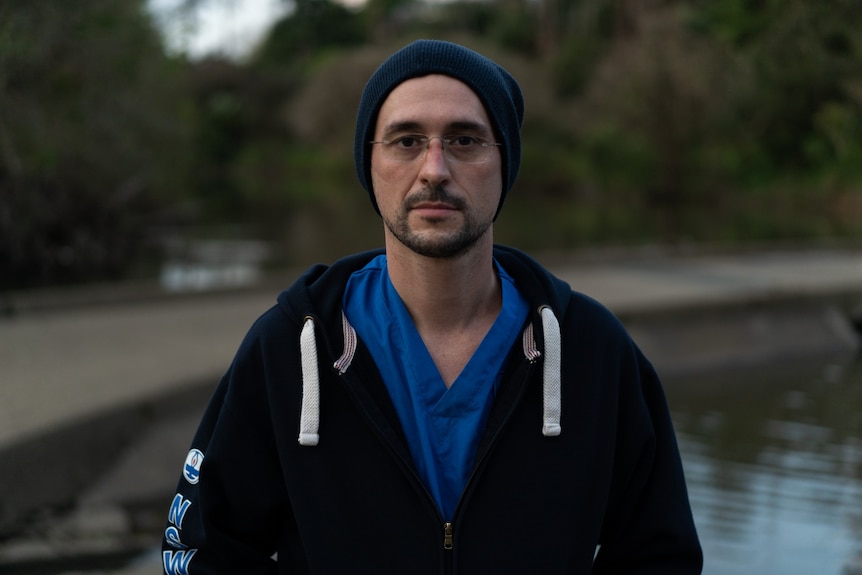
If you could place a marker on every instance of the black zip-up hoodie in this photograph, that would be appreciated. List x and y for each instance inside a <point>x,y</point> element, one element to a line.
<point>578,470</point>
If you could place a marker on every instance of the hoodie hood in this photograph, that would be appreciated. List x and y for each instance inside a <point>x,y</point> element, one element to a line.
<point>314,294</point>
<point>313,301</point>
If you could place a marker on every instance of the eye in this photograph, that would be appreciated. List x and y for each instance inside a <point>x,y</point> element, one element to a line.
<point>408,142</point>
<point>464,141</point>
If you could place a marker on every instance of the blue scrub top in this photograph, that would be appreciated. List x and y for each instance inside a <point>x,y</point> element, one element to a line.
<point>442,425</point>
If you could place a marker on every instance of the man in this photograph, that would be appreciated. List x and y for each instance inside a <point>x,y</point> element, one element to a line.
<point>445,405</point>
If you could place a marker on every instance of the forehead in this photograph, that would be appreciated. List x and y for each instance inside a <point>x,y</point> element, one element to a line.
<point>432,100</point>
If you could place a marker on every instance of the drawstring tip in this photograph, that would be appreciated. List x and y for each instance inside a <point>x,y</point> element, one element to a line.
<point>551,429</point>
<point>309,439</point>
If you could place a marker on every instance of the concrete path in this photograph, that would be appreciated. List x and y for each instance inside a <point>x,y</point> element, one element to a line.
<point>77,376</point>
<point>66,365</point>
<point>665,283</point>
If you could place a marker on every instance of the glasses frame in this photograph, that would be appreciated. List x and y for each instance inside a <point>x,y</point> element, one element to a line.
<point>424,142</point>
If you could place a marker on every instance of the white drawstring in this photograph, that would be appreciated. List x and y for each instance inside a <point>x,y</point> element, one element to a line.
<point>551,389</point>
<point>309,418</point>
<point>343,362</point>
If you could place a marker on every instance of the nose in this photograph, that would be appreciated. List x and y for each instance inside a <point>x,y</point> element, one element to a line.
<point>435,166</point>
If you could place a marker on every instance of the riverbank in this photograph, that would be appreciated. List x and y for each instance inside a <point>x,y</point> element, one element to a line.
<point>100,394</point>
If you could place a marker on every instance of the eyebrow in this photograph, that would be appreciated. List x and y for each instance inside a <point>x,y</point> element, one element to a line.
<point>468,126</point>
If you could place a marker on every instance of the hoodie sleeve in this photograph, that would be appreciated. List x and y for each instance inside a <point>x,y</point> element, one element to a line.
<point>649,527</point>
<point>230,508</point>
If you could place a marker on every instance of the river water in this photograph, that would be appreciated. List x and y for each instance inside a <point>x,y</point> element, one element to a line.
<point>773,461</point>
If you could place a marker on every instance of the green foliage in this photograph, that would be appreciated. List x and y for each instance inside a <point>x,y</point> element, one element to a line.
<point>673,121</point>
<point>92,134</point>
<point>516,29</point>
<point>314,27</point>
<point>585,33</point>
<point>663,122</point>
<point>574,65</point>
<point>738,22</point>
<point>475,18</point>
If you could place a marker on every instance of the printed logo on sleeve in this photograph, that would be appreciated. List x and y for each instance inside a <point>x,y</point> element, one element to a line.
<point>177,562</point>
<point>192,467</point>
<point>179,507</point>
<point>172,538</point>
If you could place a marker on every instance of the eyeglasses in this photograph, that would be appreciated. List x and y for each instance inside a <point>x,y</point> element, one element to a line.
<point>464,149</point>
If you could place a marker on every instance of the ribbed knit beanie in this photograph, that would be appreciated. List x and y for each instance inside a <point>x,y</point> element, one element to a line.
<point>496,88</point>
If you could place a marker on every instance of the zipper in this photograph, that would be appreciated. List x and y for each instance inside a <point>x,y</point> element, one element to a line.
<point>448,531</point>
<point>448,528</point>
<point>405,466</point>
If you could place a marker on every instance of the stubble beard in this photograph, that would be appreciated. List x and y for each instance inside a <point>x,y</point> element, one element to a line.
<point>437,245</point>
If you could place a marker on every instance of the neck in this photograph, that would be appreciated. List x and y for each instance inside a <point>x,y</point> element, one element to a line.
<point>446,295</point>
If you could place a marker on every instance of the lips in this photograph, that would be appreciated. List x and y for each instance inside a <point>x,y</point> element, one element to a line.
<point>434,202</point>
<point>433,206</point>
<point>434,210</point>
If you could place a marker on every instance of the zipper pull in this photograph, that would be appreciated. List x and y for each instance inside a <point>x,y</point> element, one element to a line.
<point>447,535</point>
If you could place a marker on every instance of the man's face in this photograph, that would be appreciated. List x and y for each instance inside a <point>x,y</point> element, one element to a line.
<point>434,204</point>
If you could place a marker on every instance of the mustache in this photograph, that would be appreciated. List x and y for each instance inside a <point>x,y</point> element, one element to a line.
<point>437,193</point>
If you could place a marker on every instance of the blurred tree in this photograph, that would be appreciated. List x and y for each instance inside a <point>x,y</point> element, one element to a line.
<point>92,139</point>
<point>800,122</point>
<point>313,27</point>
<point>647,120</point>
<point>722,119</point>
<point>582,33</point>
<point>516,27</point>
<point>806,56</point>
<point>648,115</point>
<point>298,176</point>
<point>244,144</point>
<point>220,91</point>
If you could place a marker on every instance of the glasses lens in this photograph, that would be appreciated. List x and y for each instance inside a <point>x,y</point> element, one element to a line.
<point>459,149</point>
<point>466,149</point>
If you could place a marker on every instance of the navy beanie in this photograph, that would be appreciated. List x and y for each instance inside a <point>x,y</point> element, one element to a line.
<point>496,88</point>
